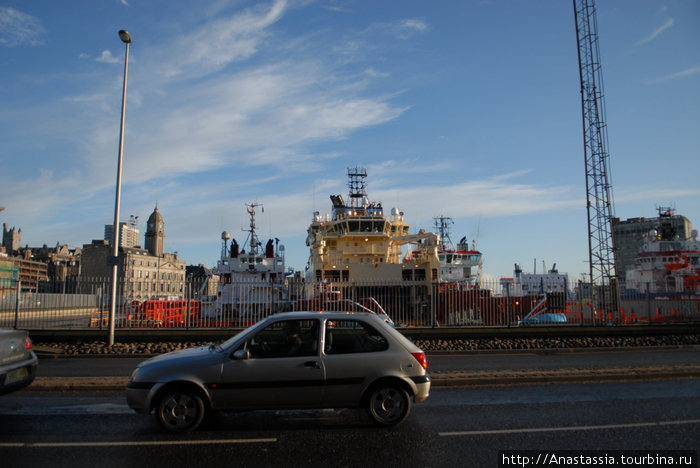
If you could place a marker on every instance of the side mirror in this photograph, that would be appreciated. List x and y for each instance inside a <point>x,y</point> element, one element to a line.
<point>241,354</point>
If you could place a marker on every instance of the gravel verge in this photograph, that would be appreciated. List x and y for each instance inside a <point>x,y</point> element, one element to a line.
<point>92,348</point>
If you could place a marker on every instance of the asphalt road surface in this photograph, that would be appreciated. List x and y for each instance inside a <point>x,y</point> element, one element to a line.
<point>122,366</point>
<point>454,427</point>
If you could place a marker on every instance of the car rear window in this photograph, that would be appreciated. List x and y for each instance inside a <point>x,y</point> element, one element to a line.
<point>352,336</point>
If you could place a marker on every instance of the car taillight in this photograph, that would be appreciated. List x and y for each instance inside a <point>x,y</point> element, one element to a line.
<point>27,343</point>
<point>420,357</point>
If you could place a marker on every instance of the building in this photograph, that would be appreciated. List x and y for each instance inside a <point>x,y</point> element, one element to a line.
<point>11,239</point>
<point>143,273</point>
<point>629,234</point>
<point>31,273</point>
<point>62,261</point>
<point>128,234</point>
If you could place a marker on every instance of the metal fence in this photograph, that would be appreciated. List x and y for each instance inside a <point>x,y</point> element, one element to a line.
<point>81,303</point>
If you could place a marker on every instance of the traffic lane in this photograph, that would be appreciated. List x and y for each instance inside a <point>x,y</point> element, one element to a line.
<point>520,360</point>
<point>454,427</point>
<point>88,366</point>
<point>562,359</point>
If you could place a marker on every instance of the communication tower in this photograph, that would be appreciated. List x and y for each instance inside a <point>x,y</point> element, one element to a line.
<point>595,142</point>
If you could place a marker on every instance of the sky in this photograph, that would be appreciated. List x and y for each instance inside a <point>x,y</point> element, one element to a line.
<point>468,109</point>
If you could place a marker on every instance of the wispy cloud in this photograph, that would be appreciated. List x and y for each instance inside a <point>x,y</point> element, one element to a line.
<point>222,41</point>
<point>676,76</point>
<point>107,57</point>
<point>406,28</point>
<point>17,28</point>
<point>657,32</point>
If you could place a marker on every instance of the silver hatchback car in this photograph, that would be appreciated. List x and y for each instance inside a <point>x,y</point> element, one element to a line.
<point>287,361</point>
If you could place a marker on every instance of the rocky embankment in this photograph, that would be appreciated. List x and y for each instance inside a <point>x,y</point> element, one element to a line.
<point>429,345</point>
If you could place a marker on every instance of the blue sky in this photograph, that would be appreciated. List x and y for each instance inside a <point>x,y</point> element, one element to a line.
<point>468,109</point>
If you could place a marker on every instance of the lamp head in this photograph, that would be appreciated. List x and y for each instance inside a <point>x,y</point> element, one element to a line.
<point>125,36</point>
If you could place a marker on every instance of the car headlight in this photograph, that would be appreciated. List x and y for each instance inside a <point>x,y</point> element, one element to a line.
<point>133,375</point>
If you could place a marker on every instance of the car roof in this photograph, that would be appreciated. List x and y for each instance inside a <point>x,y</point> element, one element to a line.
<point>313,314</point>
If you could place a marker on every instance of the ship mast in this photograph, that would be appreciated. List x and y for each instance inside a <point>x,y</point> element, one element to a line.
<point>442,226</point>
<point>252,238</point>
<point>357,186</point>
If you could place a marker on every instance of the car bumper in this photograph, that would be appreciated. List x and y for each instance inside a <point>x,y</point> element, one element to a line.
<point>138,396</point>
<point>422,388</point>
<point>17,375</point>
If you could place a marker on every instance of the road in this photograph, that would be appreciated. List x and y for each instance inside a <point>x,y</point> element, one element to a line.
<point>622,358</point>
<point>454,427</point>
<point>110,373</point>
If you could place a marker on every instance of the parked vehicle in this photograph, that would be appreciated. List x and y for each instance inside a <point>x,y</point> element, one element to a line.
<point>17,360</point>
<point>287,361</point>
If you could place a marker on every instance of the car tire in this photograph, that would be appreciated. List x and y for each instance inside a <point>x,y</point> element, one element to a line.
<point>388,404</point>
<point>180,410</point>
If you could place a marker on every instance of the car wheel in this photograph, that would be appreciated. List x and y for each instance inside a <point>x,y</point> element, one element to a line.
<point>180,410</point>
<point>388,404</point>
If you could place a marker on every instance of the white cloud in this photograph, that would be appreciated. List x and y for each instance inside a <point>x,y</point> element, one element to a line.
<point>17,28</point>
<point>107,57</point>
<point>657,32</point>
<point>406,28</point>
<point>218,43</point>
<point>675,76</point>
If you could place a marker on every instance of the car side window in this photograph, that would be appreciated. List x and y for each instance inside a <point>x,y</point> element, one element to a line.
<point>287,338</point>
<point>352,336</point>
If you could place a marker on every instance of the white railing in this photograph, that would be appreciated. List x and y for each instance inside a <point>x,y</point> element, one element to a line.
<point>83,303</point>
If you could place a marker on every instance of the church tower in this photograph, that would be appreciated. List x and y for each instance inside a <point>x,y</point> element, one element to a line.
<point>155,234</point>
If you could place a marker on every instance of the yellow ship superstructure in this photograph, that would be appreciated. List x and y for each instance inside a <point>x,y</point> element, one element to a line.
<point>358,243</point>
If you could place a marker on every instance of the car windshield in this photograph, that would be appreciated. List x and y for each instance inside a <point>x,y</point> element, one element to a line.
<point>228,343</point>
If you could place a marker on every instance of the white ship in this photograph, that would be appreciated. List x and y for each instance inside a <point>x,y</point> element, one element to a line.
<point>457,265</point>
<point>251,281</point>
<point>666,262</point>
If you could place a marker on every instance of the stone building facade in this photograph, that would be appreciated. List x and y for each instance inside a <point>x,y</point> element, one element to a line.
<point>143,273</point>
<point>11,239</point>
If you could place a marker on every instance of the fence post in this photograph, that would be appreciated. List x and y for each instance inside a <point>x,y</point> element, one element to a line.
<point>99,306</point>
<point>17,300</point>
<point>648,306</point>
<point>508,304</point>
<point>188,296</point>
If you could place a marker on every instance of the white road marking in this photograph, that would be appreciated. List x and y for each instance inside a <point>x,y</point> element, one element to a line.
<point>569,428</point>
<point>65,410</point>
<point>134,443</point>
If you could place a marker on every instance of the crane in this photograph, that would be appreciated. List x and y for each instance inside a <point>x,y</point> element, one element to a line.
<point>599,202</point>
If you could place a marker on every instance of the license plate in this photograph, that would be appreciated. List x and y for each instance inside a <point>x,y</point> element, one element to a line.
<point>17,374</point>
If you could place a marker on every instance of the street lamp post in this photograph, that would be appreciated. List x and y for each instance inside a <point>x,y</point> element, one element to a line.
<point>126,39</point>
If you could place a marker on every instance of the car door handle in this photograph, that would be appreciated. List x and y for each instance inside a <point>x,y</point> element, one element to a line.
<point>313,364</point>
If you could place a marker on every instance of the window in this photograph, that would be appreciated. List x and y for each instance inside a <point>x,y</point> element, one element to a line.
<point>351,336</point>
<point>287,338</point>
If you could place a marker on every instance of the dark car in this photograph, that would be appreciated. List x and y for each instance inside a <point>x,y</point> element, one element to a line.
<point>17,360</point>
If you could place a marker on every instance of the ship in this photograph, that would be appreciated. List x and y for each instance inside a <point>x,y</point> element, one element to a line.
<point>666,262</point>
<point>251,283</point>
<point>357,242</point>
<point>457,265</point>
